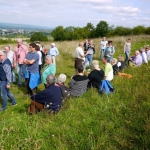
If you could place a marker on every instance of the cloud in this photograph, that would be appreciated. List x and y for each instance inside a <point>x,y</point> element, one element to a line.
<point>76,12</point>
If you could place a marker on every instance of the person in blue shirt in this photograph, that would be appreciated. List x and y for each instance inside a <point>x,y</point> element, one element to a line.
<point>109,51</point>
<point>53,52</point>
<point>32,73</point>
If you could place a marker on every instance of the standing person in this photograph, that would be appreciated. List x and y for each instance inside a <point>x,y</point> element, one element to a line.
<point>109,51</point>
<point>53,52</point>
<point>50,69</point>
<point>11,56</point>
<point>127,49</point>
<point>5,80</point>
<point>103,45</point>
<point>86,44</point>
<point>80,56</point>
<point>20,53</point>
<point>108,71</point>
<point>40,58</point>
<point>32,73</point>
<point>89,56</point>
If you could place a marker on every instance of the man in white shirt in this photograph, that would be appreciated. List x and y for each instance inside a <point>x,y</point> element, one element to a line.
<point>103,45</point>
<point>80,56</point>
<point>11,57</point>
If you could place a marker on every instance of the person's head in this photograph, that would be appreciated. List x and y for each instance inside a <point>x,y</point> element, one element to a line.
<point>32,47</point>
<point>19,42</point>
<point>53,45</point>
<point>3,55</point>
<point>120,58</point>
<point>109,43</point>
<point>37,48</point>
<point>129,40</point>
<point>105,60</point>
<point>81,44</point>
<point>62,78</point>
<point>104,38</point>
<point>86,40</point>
<point>80,69</point>
<point>90,42</point>
<point>48,59</point>
<point>7,48</point>
<point>136,53</point>
<point>141,50</point>
<point>146,48</point>
<point>113,61</point>
<point>50,79</point>
<point>95,64</point>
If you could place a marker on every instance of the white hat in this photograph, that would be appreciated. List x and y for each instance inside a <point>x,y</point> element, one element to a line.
<point>53,44</point>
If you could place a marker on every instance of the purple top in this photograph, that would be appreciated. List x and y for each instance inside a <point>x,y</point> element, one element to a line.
<point>138,60</point>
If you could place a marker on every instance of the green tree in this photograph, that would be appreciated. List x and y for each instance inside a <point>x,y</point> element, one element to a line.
<point>58,33</point>
<point>69,33</point>
<point>90,30</point>
<point>147,30</point>
<point>119,30</point>
<point>138,30</point>
<point>102,29</point>
<point>38,36</point>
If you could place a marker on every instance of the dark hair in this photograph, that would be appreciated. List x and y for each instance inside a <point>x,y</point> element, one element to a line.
<point>109,42</point>
<point>129,39</point>
<point>80,69</point>
<point>106,58</point>
<point>33,45</point>
<point>37,48</point>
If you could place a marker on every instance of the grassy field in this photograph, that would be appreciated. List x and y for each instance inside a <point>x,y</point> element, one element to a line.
<point>119,121</point>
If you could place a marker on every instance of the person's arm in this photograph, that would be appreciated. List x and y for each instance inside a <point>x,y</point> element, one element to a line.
<point>113,51</point>
<point>7,70</point>
<point>71,83</point>
<point>14,60</point>
<point>124,48</point>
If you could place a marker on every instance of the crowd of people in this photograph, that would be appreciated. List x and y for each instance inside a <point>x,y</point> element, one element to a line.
<point>29,64</point>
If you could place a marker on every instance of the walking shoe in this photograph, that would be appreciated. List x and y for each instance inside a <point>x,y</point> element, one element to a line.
<point>14,104</point>
<point>2,109</point>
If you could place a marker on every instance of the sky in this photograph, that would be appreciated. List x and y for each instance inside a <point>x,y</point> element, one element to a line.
<point>52,13</point>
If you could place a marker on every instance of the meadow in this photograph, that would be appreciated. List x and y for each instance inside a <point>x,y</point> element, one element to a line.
<point>118,121</point>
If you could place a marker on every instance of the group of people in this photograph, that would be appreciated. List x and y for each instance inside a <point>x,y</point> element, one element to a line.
<point>29,67</point>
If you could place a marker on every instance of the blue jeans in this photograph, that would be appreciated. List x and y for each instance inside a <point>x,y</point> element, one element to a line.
<point>89,58</point>
<point>102,53</point>
<point>5,93</point>
<point>127,56</point>
<point>21,70</point>
<point>13,75</point>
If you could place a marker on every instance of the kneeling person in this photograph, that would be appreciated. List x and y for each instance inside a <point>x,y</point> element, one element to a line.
<point>51,97</point>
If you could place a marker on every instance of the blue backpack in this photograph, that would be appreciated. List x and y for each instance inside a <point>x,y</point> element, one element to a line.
<point>106,87</point>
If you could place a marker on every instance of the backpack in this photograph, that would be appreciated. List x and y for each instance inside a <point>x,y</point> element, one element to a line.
<point>106,87</point>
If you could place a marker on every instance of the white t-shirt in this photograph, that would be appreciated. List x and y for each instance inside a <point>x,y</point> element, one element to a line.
<point>148,55</point>
<point>110,76</point>
<point>40,57</point>
<point>79,53</point>
<point>10,56</point>
<point>144,57</point>
<point>103,44</point>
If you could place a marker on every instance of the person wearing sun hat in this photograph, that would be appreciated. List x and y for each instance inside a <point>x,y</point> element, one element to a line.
<point>53,52</point>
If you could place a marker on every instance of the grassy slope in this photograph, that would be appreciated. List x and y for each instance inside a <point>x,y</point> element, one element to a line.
<point>117,121</point>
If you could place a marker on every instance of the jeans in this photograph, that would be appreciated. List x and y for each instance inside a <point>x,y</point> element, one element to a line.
<point>5,93</point>
<point>13,75</point>
<point>102,53</point>
<point>89,58</point>
<point>21,70</point>
<point>127,56</point>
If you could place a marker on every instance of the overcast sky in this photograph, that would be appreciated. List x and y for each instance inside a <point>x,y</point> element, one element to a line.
<point>52,13</point>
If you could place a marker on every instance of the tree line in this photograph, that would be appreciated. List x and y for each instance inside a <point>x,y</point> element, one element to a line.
<point>89,31</point>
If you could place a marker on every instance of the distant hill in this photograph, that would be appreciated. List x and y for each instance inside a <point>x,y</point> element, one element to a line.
<point>22,26</point>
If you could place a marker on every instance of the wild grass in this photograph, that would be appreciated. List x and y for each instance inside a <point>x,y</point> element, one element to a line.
<point>90,122</point>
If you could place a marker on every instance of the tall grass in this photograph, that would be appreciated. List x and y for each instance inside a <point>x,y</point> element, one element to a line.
<point>90,122</point>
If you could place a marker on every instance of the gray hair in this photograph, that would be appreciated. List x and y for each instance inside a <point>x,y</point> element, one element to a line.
<point>113,61</point>
<point>3,52</point>
<point>62,78</point>
<point>50,79</point>
<point>19,40</point>
<point>95,64</point>
<point>137,52</point>
<point>48,57</point>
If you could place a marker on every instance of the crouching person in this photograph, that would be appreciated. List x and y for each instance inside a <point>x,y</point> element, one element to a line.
<point>50,98</point>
